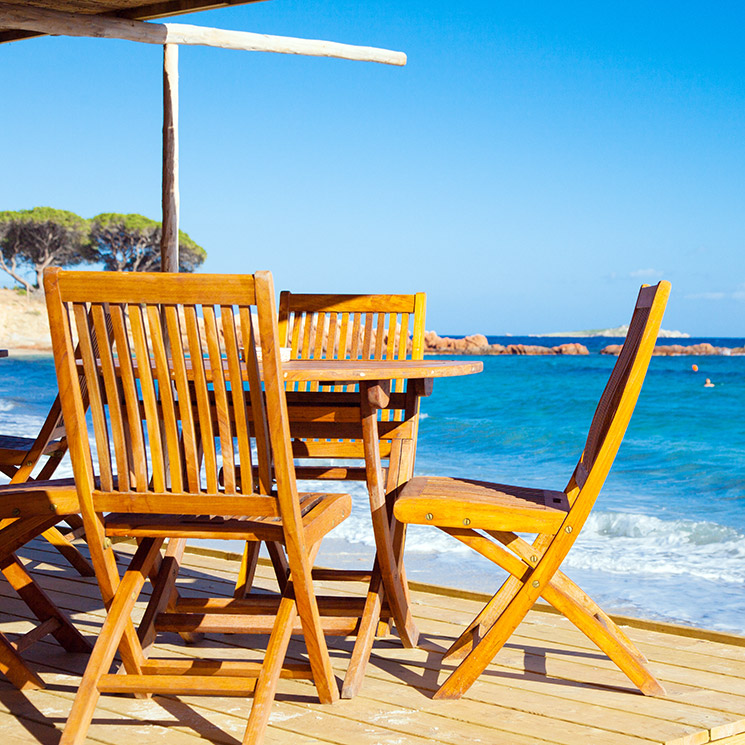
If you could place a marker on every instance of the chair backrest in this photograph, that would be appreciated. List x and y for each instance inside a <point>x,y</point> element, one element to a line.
<point>353,327</point>
<point>160,355</point>
<point>619,398</point>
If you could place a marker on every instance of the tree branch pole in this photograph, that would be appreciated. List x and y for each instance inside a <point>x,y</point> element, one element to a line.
<point>31,18</point>
<point>169,235</point>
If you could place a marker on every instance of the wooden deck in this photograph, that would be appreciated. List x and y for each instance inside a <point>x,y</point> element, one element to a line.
<point>546,686</point>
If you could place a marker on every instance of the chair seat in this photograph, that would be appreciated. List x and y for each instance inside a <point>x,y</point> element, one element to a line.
<point>457,503</point>
<point>320,513</point>
<point>39,498</point>
<point>14,449</point>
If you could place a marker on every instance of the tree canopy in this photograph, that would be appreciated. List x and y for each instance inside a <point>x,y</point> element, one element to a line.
<point>40,237</point>
<point>31,240</point>
<point>132,243</point>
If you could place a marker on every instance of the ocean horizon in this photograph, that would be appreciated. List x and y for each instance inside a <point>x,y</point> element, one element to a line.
<point>666,539</point>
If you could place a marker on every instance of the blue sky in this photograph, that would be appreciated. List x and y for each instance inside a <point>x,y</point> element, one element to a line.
<point>529,168</point>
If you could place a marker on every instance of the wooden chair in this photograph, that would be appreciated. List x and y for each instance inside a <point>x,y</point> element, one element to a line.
<point>325,420</point>
<point>168,414</point>
<point>19,456</point>
<point>487,517</point>
<point>28,510</point>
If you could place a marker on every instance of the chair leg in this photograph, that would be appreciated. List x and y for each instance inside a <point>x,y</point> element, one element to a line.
<point>112,633</point>
<point>15,669</point>
<point>607,636</point>
<point>365,636</point>
<point>247,569</point>
<point>487,616</point>
<point>310,619</point>
<point>42,606</point>
<point>476,661</point>
<point>163,590</point>
<point>266,685</point>
<point>279,562</point>
<point>70,552</point>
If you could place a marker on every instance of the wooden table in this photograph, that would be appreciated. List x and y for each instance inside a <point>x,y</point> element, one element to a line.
<point>387,588</point>
<point>387,581</point>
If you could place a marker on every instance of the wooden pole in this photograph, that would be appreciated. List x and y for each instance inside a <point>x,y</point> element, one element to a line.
<point>169,236</point>
<point>31,18</point>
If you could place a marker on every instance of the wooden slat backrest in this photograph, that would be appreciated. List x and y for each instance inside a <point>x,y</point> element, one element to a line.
<point>160,354</point>
<point>379,327</point>
<point>617,403</point>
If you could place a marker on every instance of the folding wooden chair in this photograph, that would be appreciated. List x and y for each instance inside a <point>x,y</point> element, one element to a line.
<point>28,510</point>
<point>462,508</point>
<point>169,411</point>
<point>19,457</point>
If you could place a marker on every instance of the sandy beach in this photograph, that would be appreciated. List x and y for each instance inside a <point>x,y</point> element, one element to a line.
<point>24,327</point>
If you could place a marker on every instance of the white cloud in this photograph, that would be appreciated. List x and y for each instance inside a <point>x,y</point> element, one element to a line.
<point>645,274</point>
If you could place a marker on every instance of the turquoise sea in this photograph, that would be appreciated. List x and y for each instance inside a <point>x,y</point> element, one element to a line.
<point>667,537</point>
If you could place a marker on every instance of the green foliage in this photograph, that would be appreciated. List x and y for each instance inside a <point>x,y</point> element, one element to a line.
<point>132,243</point>
<point>40,215</point>
<point>31,240</point>
<point>40,237</point>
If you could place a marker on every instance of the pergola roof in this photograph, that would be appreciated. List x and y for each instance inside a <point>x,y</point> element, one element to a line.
<point>134,9</point>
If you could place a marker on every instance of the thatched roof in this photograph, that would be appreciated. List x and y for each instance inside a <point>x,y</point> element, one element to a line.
<point>136,9</point>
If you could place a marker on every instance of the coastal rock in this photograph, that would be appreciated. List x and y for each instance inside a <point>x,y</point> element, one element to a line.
<point>674,350</point>
<point>571,348</point>
<point>473,344</point>
<point>478,344</point>
<point>679,350</point>
<point>532,349</point>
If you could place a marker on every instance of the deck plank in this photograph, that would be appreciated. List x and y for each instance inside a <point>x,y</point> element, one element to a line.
<point>548,685</point>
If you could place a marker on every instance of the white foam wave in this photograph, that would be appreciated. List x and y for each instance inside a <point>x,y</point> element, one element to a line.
<point>631,544</point>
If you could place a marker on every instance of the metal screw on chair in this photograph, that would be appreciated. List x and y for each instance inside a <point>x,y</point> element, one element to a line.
<point>568,529</point>
<point>53,508</point>
<point>28,463</point>
<point>16,511</point>
<point>533,559</point>
<point>428,516</point>
<point>536,583</point>
<point>466,521</point>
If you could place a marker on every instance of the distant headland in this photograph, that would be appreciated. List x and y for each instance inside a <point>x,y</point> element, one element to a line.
<point>617,331</point>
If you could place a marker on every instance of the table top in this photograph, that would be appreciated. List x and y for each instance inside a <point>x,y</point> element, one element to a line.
<point>355,371</point>
<point>358,370</point>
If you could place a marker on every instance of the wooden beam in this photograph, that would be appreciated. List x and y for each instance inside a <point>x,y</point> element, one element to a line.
<point>158,9</point>
<point>71,24</point>
<point>169,259</point>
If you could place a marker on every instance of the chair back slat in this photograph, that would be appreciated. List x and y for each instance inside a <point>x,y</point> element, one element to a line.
<point>96,397</point>
<point>202,396</point>
<point>176,390</point>
<point>619,397</point>
<point>134,435</point>
<point>188,443</point>
<point>142,362</point>
<point>262,436</point>
<point>237,404</point>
